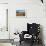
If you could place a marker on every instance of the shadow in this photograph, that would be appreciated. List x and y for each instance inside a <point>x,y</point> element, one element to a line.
<point>41,35</point>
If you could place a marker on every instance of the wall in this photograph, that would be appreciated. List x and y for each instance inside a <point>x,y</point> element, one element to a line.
<point>3,1</point>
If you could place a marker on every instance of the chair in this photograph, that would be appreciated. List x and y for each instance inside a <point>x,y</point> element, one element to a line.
<point>33,30</point>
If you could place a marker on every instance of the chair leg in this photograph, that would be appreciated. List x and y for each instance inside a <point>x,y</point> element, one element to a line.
<point>32,42</point>
<point>20,42</point>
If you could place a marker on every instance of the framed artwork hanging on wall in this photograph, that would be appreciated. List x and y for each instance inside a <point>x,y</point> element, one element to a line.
<point>20,13</point>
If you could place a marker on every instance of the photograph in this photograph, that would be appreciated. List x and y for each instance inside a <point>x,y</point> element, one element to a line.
<point>20,13</point>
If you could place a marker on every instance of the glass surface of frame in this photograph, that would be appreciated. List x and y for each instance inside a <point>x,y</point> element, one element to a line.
<point>20,13</point>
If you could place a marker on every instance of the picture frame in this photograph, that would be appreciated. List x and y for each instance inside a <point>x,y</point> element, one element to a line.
<point>20,13</point>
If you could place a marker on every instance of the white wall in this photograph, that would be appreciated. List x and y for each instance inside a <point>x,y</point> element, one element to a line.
<point>35,12</point>
<point>3,1</point>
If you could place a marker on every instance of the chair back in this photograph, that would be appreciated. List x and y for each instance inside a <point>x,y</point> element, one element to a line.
<point>33,28</point>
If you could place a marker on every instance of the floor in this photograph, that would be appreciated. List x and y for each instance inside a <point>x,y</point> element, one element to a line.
<point>22,44</point>
<point>5,44</point>
<point>27,44</point>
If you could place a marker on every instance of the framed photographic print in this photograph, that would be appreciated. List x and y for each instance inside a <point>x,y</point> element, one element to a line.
<point>20,13</point>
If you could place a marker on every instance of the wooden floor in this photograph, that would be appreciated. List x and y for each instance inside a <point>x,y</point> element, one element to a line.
<point>27,44</point>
